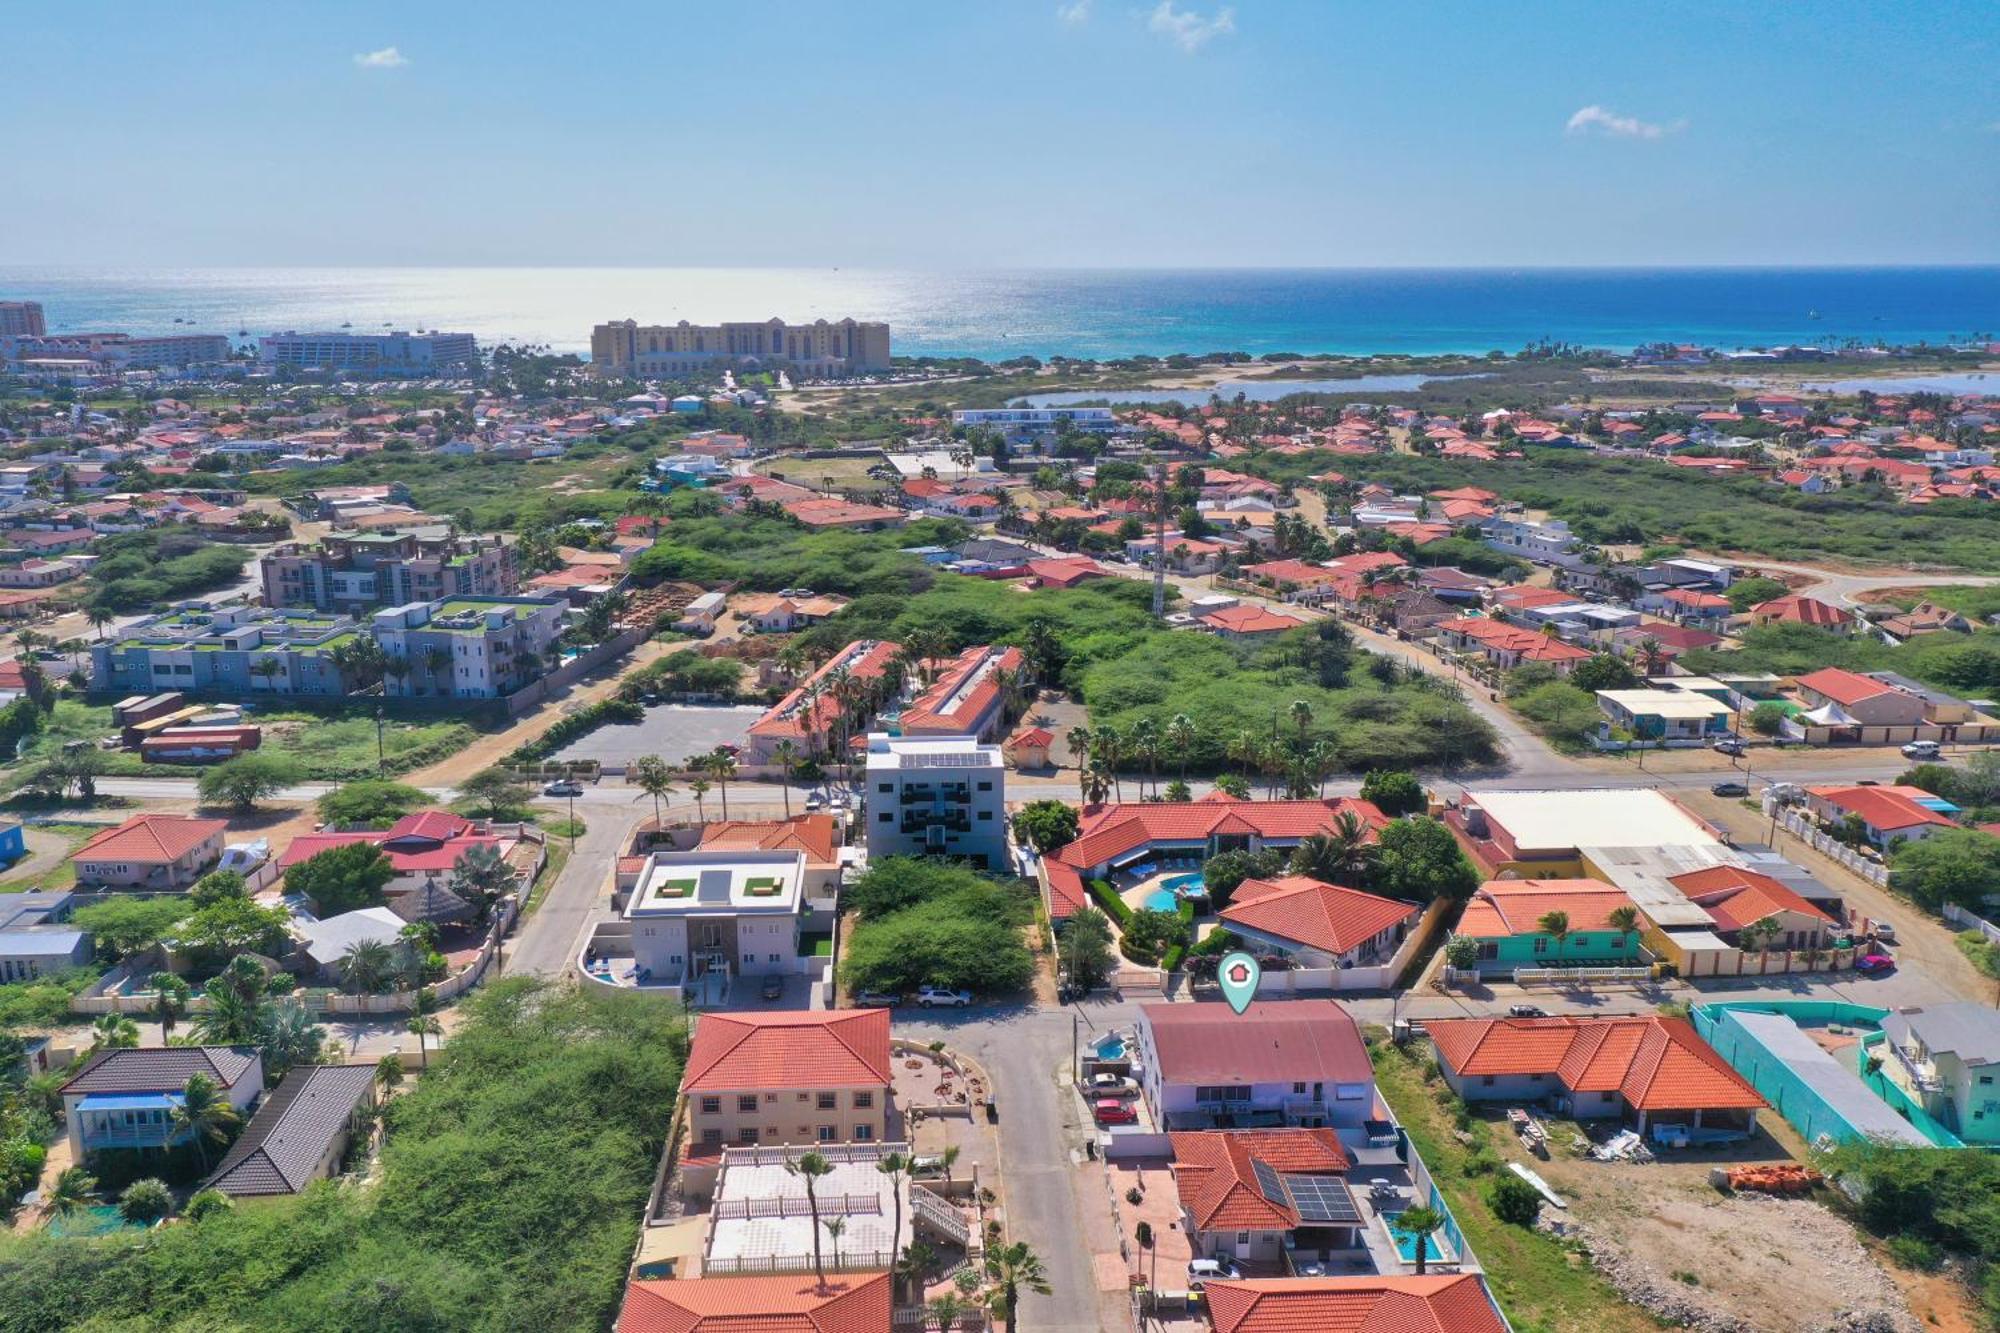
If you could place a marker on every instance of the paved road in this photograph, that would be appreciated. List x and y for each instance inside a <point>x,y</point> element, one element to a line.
<point>1852,588</point>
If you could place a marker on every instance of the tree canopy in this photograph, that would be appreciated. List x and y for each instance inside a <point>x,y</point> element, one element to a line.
<point>341,879</point>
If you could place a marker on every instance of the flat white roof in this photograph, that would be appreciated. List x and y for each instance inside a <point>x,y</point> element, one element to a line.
<point>737,882</point>
<point>854,1190</point>
<point>886,751</point>
<point>1665,703</point>
<point>1594,816</point>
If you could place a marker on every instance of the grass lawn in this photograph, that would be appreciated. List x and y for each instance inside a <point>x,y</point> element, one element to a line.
<point>60,875</point>
<point>556,856</point>
<point>342,749</point>
<point>1544,1285</point>
<point>847,474</point>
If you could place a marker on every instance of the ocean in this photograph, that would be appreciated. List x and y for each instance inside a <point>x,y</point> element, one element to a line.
<point>1086,313</point>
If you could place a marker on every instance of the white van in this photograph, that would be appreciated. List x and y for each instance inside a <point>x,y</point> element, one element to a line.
<point>1923,750</point>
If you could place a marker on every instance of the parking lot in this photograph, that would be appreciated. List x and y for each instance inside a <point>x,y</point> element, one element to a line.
<point>671,731</point>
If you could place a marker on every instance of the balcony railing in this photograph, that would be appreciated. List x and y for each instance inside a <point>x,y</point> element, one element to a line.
<point>1922,1073</point>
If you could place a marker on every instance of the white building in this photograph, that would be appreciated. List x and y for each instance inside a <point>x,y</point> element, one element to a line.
<point>702,915</point>
<point>1548,542</point>
<point>1036,425</point>
<point>937,796</point>
<point>397,353</point>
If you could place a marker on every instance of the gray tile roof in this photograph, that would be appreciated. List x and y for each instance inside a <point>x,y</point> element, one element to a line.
<point>164,1069</point>
<point>292,1132</point>
<point>20,910</point>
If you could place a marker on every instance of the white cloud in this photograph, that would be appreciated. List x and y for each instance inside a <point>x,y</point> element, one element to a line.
<point>1072,15</point>
<point>1595,119</point>
<point>1187,29</point>
<point>387,58</point>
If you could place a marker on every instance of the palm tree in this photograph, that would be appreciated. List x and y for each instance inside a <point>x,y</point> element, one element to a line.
<point>1016,1266</point>
<point>895,1166</point>
<point>74,1189</point>
<point>436,660</point>
<point>1080,740</point>
<point>1243,748</point>
<point>113,1032</point>
<point>423,1023</point>
<point>1759,934</point>
<point>205,1113</point>
<point>810,1167</point>
<point>1420,1222</point>
<point>916,1263</point>
<point>699,789</point>
<point>834,1226</point>
<point>1301,713</point>
<point>1623,919</point>
<point>787,756</point>
<point>1180,738</point>
<point>947,1159</point>
<point>1343,855</point>
<point>1110,749</point>
<point>654,778</point>
<point>170,1000</point>
<point>98,618</point>
<point>389,1073</point>
<point>367,966</point>
<point>1556,926</point>
<point>946,1310</point>
<point>722,763</point>
<point>1145,742</point>
<point>1095,785</point>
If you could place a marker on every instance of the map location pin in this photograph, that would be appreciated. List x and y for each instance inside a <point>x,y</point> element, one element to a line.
<point>1238,974</point>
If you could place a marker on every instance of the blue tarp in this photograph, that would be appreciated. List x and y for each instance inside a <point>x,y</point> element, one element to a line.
<point>130,1101</point>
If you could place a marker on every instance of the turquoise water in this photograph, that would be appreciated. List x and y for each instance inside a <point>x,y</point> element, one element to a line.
<point>1110,1048</point>
<point>1406,1245</point>
<point>98,1220</point>
<point>1192,885</point>
<point>1074,312</point>
<point>1161,900</point>
<point>1253,391</point>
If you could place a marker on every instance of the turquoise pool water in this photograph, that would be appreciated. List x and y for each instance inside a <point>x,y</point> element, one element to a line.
<point>1191,884</point>
<point>1161,900</point>
<point>99,1220</point>
<point>1110,1048</point>
<point>1406,1245</point>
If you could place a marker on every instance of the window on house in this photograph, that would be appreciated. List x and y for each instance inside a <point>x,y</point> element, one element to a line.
<point>864,1100</point>
<point>827,1133</point>
<point>711,1136</point>
<point>1607,1096</point>
<point>711,1106</point>
<point>864,1133</point>
<point>746,1105</point>
<point>827,1101</point>
<point>1486,1080</point>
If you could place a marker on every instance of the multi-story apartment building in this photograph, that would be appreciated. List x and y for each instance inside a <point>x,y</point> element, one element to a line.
<point>236,650</point>
<point>354,571</point>
<point>117,351</point>
<point>397,353</point>
<point>937,796</point>
<point>793,1076</point>
<point>22,317</point>
<point>699,919</point>
<point>469,647</point>
<point>821,349</point>
<point>1034,426</point>
<point>1947,1060</point>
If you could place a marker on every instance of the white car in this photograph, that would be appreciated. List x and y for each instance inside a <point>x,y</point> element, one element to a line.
<point>1112,1085</point>
<point>929,997</point>
<point>1923,750</point>
<point>1201,1272</point>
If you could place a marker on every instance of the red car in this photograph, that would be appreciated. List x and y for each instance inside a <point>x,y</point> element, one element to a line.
<point>1875,965</point>
<point>1111,1111</point>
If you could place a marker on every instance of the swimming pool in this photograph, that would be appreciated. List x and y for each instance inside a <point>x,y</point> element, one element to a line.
<point>1111,1046</point>
<point>1192,885</point>
<point>1406,1245</point>
<point>1161,900</point>
<point>97,1220</point>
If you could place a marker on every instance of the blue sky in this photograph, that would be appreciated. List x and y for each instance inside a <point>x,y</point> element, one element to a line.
<point>944,134</point>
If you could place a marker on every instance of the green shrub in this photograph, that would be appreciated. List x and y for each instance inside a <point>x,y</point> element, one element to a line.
<point>1514,1200</point>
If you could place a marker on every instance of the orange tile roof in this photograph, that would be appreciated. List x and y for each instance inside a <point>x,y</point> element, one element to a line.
<point>1249,620</point>
<point>1882,808</point>
<point>1110,831</point>
<point>1843,686</point>
<point>150,839</point>
<point>1314,913</point>
<point>864,661</point>
<point>958,700</point>
<point>1219,1190</point>
<point>1654,1063</point>
<point>1515,906</point>
<point>1737,897</point>
<point>790,1049</point>
<point>1434,1303</point>
<point>816,835</point>
<point>792,1303</point>
<point>1801,610</point>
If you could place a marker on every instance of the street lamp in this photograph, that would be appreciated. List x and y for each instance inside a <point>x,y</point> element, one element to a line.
<point>381,758</point>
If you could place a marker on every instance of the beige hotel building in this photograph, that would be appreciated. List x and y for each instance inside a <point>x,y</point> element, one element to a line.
<point>819,350</point>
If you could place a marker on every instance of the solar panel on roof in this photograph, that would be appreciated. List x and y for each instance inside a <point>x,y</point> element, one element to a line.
<point>1269,1184</point>
<point>1322,1199</point>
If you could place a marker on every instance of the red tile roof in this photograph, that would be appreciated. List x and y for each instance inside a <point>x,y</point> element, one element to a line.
<point>1290,1041</point>
<point>964,691</point>
<point>793,1303</point>
<point>1434,1303</point>
<point>1065,573</point>
<point>816,835</point>
<point>1654,1063</point>
<point>1219,1189</point>
<point>1249,620</point>
<point>1882,808</point>
<point>1516,906</point>
<point>864,661</point>
<point>1800,611</point>
<point>1737,897</point>
<point>150,839</point>
<point>1109,831</point>
<point>791,1049</point>
<point>1843,686</point>
<point>1316,914</point>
